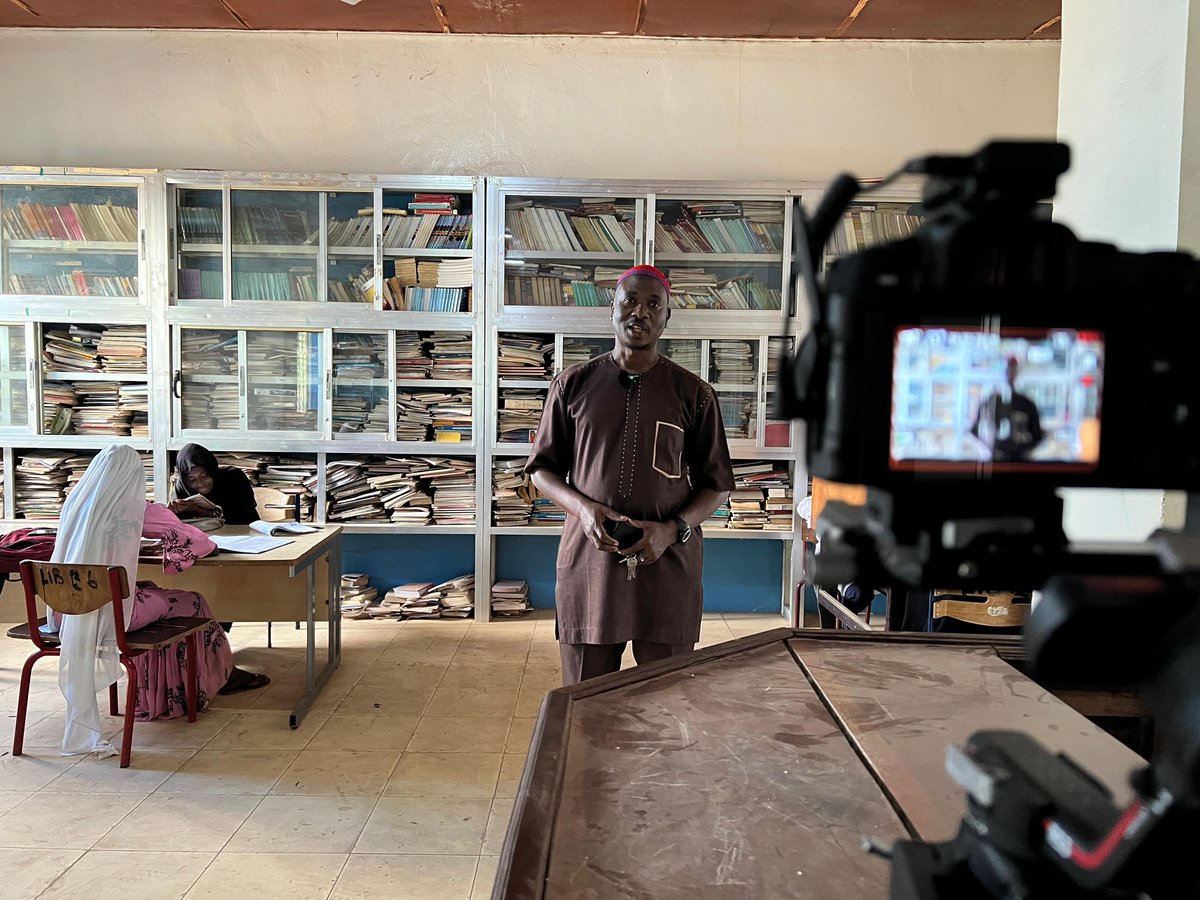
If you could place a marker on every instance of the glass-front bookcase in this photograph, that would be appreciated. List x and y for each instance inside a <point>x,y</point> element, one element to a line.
<point>64,236</point>
<point>409,246</point>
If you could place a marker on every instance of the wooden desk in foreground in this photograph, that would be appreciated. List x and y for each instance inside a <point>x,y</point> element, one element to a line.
<point>293,583</point>
<point>753,768</point>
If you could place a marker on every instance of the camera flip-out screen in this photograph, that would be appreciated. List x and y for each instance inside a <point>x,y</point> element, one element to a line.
<point>1015,399</point>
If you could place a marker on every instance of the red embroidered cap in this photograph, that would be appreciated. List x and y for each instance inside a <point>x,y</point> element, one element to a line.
<point>649,272</point>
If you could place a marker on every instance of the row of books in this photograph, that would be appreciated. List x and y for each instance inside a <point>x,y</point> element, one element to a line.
<point>697,289</point>
<point>401,490</point>
<point>44,478</point>
<point>442,416</point>
<point>721,227</point>
<point>76,283</point>
<point>292,475</point>
<point>451,599</point>
<point>865,227</point>
<point>269,225</point>
<point>555,228</point>
<point>95,348</point>
<point>96,407</point>
<point>71,222</point>
<point>519,414</point>
<point>433,354</point>
<point>734,362</point>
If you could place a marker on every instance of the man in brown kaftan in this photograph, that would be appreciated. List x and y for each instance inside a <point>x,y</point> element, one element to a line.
<point>630,437</point>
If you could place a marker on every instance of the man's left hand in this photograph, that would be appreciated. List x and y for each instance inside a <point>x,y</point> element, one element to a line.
<point>656,538</point>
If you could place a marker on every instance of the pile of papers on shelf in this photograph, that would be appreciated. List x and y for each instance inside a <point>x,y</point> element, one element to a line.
<point>524,355</point>
<point>356,595</point>
<point>511,493</point>
<point>75,466</point>
<point>360,395</point>
<point>292,476</point>
<point>519,414</point>
<point>41,477</point>
<point>682,352</point>
<point>510,599</point>
<point>73,350</point>
<point>207,352</point>
<point>762,497</point>
<point>99,410</point>
<point>545,510</point>
<point>456,273</point>
<point>451,354</point>
<point>58,407</point>
<point>733,362</point>
<point>580,349</point>
<point>414,418</point>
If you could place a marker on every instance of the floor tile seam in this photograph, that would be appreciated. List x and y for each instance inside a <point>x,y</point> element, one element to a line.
<point>366,822</point>
<point>239,827</point>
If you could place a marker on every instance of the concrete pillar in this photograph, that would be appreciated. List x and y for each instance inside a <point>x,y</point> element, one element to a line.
<point>1129,107</point>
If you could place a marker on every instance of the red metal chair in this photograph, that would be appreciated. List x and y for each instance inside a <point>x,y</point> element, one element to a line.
<point>80,589</point>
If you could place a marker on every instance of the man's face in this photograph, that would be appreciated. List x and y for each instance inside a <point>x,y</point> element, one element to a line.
<point>640,312</point>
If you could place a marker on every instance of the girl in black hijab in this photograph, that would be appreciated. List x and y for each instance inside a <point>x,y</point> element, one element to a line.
<point>198,472</point>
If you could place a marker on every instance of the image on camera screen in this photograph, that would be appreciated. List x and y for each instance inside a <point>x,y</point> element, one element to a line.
<point>1020,399</point>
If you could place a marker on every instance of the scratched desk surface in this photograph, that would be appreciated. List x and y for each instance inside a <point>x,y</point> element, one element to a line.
<point>727,780</point>
<point>727,775</point>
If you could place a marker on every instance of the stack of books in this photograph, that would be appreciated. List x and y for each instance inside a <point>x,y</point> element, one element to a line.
<point>356,595</point>
<point>283,380</point>
<point>733,362</point>
<point>761,498</point>
<point>519,415</point>
<point>510,599</point>
<point>41,479</point>
<point>452,484</point>
<point>511,493</point>
<point>457,597</point>
<point>545,510</point>
<point>580,350</point>
<point>456,273</point>
<point>684,353</point>
<point>271,225</point>
<point>414,600</point>
<point>451,354</point>
<point>99,410</point>
<point>411,359</point>
<point>86,222</point>
<point>58,407</point>
<point>75,466</point>
<point>73,349</point>
<point>452,417</point>
<point>525,356</point>
<point>400,492</point>
<point>359,382</point>
<point>349,496</point>
<point>122,348</point>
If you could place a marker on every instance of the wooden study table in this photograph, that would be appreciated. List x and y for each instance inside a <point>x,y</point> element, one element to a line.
<point>287,584</point>
<point>754,768</point>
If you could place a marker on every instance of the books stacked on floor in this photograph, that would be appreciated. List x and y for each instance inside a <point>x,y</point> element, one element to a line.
<point>510,599</point>
<point>511,493</point>
<point>122,348</point>
<point>451,354</point>
<point>72,349</point>
<point>524,355</point>
<point>452,483</point>
<point>414,600</point>
<point>411,360</point>
<point>519,414</point>
<point>356,595</point>
<point>457,597</point>
<point>349,494</point>
<point>545,510</point>
<point>41,479</point>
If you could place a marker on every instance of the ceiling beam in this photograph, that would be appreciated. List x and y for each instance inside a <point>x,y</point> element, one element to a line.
<point>1049,23</point>
<point>849,20</point>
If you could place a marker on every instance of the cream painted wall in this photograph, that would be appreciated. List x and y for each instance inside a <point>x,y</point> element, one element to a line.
<point>540,106</point>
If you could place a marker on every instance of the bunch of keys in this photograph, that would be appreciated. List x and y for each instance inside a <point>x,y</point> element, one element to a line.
<point>633,560</point>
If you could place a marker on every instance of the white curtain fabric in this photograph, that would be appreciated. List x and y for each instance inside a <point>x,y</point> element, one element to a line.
<point>101,524</point>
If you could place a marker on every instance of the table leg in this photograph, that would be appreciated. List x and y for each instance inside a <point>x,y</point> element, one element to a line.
<point>314,680</point>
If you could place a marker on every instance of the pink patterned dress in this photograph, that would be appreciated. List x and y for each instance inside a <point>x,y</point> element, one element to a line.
<point>161,673</point>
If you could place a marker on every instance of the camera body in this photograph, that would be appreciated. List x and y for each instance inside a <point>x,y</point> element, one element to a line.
<point>981,364</point>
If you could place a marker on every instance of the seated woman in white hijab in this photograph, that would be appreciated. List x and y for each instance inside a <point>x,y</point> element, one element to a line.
<point>102,522</point>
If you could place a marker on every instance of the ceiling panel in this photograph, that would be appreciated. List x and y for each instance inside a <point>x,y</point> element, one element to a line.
<point>132,14</point>
<point>541,16</point>
<point>333,15</point>
<point>749,18</point>
<point>968,20</point>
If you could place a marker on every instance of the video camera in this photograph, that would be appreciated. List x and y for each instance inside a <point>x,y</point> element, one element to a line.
<point>963,375</point>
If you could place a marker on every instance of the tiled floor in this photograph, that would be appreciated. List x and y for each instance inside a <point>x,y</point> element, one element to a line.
<point>399,782</point>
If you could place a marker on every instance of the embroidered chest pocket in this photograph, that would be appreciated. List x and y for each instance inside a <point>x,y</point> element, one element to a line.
<point>668,450</point>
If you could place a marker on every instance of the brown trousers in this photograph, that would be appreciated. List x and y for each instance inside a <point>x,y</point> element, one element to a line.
<point>583,661</point>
